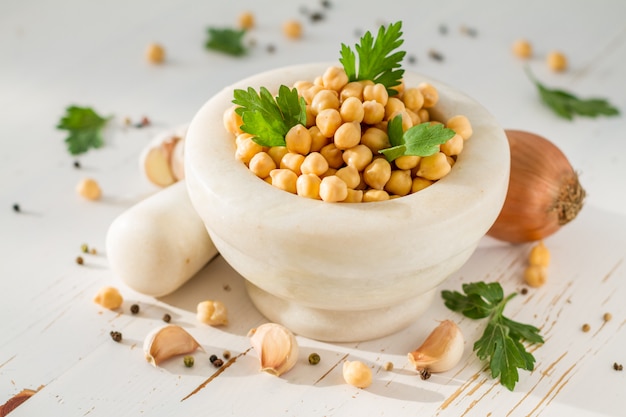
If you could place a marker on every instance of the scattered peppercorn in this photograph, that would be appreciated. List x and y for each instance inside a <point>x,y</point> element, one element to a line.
<point>213,358</point>
<point>314,358</point>
<point>127,121</point>
<point>618,366</point>
<point>271,48</point>
<point>218,362</point>
<point>79,260</point>
<point>84,248</point>
<point>524,291</point>
<point>167,318</point>
<point>586,327</point>
<point>412,59</point>
<point>116,336</point>
<point>93,251</point>
<point>316,17</point>
<point>16,208</point>
<point>326,4</point>
<point>188,361</point>
<point>437,56</point>
<point>134,308</point>
<point>226,287</point>
<point>424,374</point>
<point>607,316</point>
<point>76,164</point>
<point>443,29</point>
<point>388,366</point>
<point>469,31</point>
<point>226,354</point>
<point>143,123</point>
<point>358,32</point>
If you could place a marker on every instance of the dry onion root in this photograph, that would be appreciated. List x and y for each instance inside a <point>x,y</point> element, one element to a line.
<point>544,192</point>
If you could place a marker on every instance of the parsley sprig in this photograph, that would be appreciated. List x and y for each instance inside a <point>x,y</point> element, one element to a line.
<point>267,118</point>
<point>85,128</point>
<point>566,104</point>
<point>501,342</point>
<point>377,60</point>
<point>226,40</point>
<point>419,140</point>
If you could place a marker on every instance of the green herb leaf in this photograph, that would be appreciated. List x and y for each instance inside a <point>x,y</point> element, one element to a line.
<point>377,60</point>
<point>501,342</point>
<point>566,104</point>
<point>420,140</point>
<point>85,129</point>
<point>268,118</point>
<point>229,41</point>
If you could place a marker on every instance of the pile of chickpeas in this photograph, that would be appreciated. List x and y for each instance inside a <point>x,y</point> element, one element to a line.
<point>335,157</point>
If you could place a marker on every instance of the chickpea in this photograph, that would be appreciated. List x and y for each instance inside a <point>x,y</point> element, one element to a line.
<point>354,196</point>
<point>522,48</point>
<point>557,61</point>
<point>377,173</point>
<point>318,141</point>
<point>399,183</point>
<point>261,164</point>
<point>310,117</point>
<point>310,92</point>
<point>373,112</point>
<point>318,81</point>
<point>246,149</point>
<point>434,167</point>
<point>284,179</point>
<point>277,153</point>
<point>415,118</point>
<point>407,162</point>
<point>350,176</point>
<point>424,115</point>
<point>328,121</point>
<point>232,121</point>
<point>333,189</point>
<point>359,157</point>
<point>324,99</point>
<point>302,85</point>
<point>393,106</point>
<point>298,140</point>
<point>539,255</point>
<point>246,20</point>
<point>212,312</point>
<point>329,172</point>
<point>375,139</point>
<point>155,53</point>
<point>453,146</point>
<point>348,135</point>
<point>314,163</point>
<point>461,125</point>
<point>413,99</point>
<point>292,29</point>
<point>308,185</point>
<point>419,184</point>
<point>375,195</point>
<point>357,374</point>
<point>292,161</point>
<point>352,89</point>
<point>351,110</point>
<point>109,297</point>
<point>536,275</point>
<point>335,78</point>
<point>407,122</point>
<point>333,155</point>
<point>377,92</point>
<point>88,188</point>
<point>430,93</point>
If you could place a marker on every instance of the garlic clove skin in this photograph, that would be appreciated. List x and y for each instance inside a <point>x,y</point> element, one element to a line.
<point>166,342</point>
<point>276,347</point>
<point>441,351</point>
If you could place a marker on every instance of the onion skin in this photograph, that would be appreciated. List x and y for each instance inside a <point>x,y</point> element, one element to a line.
<point>544,192</point>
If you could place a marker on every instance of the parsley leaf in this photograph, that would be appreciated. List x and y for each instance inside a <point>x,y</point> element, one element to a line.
<point>377,60</point>
<point>85,129</point>
<point>567,105</point>
<point>420,140</point>
<point>501,342</point>
<point>226,40</point>
<point>269,119</point>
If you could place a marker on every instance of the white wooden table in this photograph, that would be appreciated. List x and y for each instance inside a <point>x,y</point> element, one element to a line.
<point>53,54</point>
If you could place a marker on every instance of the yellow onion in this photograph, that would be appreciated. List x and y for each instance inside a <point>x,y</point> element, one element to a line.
<point>544,192</point>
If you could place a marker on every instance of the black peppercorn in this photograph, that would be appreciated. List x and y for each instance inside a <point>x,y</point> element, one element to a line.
<point>16,208</point>
<point>79,260</point>
<point>218,362</point>
<point>213,358</point>
<point>425,374</point>
<point>167,318</point>
<point>116,336</point>
<point>134,308</point>
<point>76,164</point>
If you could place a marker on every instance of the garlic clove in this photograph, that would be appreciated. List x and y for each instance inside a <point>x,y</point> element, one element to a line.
<point>441,350</point>
<point>212,312</point>
<point>357,374</point>
<point>276,346</point>
<point>166,342</point>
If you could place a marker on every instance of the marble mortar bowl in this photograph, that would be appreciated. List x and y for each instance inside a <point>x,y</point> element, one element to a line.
<point>337,271</point>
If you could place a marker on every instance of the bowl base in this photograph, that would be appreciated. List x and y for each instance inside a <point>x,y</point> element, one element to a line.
<point>339,325</point>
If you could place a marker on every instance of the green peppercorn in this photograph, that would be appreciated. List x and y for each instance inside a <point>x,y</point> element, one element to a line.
<point>314,358</point>
<point>84,248</point>
<point>167,318</point>
<point>188,361</point>
<point>134,308</point>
